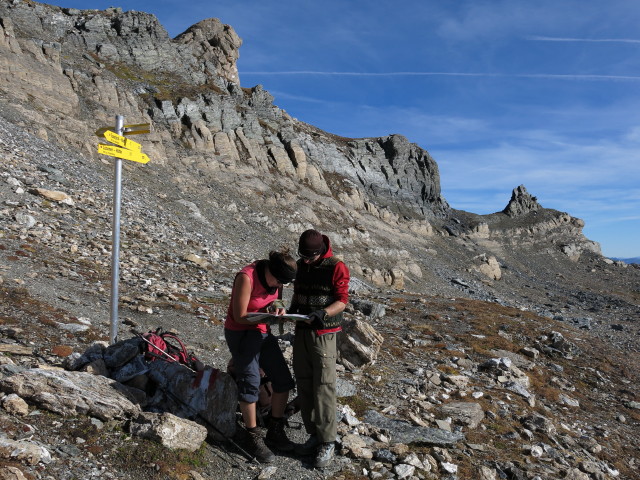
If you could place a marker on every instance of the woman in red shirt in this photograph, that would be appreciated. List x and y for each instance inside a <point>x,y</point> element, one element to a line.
<point>258,288</point>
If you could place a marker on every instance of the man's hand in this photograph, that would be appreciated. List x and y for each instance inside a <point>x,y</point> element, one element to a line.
<point>316,319</point>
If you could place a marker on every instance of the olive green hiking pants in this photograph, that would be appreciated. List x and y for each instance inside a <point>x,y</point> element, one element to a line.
<point>314,366</point>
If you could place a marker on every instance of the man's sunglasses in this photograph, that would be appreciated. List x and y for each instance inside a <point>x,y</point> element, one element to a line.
<point>309,256</point>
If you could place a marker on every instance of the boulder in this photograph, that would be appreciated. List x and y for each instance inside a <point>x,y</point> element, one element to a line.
<point>23,451</point>
<point>15,405</point>
<point>488,266</point>
<point>209,397</point>
<point>72,393</point>
<point>11,473</point>
<point>463,413</point>
<point>369,308</point>
<point>358,344</point>
<point>404,432</point>
<point>171,431</point>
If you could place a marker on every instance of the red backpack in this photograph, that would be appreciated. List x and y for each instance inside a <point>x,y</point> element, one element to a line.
<point>160,345</point>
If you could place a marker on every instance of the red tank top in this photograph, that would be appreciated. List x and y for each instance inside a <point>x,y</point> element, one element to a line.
<point>258,300</point>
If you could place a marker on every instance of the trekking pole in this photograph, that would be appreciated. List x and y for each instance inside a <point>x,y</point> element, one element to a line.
<point>197,414</point>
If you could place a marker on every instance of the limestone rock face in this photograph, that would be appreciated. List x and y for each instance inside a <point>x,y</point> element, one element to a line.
<point>204,52</point>
<point>215,46</point>
<point>34,70</point>
<point>521,202</point>
<point>393,170</point>
<point>127,64</point>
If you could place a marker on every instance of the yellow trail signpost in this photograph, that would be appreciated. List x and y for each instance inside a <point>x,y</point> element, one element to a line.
<point>126,149</point>
<point>134,129</point>
<point>122,141</point>
<point>113,151</point>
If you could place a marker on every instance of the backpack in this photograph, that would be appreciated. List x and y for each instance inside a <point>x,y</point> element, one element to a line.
<point>161,345</point>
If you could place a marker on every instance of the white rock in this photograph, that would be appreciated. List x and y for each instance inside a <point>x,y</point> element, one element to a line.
<point>15,405</point>
<point>536,451</point>
<point>404,471</point>
<point>267,472</point>
<point>24,220</point>
<point>566,400</point>
<point>412,459</point>
<point>449,467</point>
<point>73,327</point>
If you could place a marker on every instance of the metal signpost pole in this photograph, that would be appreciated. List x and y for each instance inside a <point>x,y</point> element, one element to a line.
<point>124,148</point>
<point>115,236</point>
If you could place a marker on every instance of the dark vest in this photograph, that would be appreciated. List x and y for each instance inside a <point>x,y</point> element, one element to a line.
<point>313,289</point>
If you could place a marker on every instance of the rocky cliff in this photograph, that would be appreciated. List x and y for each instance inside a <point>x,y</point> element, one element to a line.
<point>188,87</point>
<point>65,73</point>
<point>231,176</point>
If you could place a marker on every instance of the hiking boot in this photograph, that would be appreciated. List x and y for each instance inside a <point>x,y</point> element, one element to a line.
<point>324,455</point>
<point>309,447</point>
<point>257,448</point>
<point>276,436</point>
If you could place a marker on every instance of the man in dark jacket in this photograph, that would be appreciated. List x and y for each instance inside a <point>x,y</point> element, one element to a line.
<point>320,290</point>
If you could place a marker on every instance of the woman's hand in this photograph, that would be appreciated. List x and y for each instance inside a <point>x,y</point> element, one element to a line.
<point>277,308</point>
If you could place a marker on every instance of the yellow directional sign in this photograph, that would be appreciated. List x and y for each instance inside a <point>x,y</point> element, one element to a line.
<point>133,129</point>
<point>137,128</point>
<point>121,141</point>
<point>123,153</point>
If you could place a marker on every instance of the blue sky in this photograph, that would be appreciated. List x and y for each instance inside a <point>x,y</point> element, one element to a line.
<point>501,93</point>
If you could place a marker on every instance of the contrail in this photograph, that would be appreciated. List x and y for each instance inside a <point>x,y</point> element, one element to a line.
<point>374,74</point>
<point>451,74</point>
<point>593,40</point>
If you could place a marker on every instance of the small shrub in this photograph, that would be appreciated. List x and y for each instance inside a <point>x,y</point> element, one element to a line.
<point>358,404</point>
<point>62,350</point>
<point>449,370</point>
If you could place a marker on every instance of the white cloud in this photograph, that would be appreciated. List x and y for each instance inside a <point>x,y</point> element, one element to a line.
<point>298,98</point>
<point>473,21</point>
<point>633,134</point>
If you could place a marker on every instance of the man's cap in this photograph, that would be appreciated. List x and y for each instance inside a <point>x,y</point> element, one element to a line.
<point>311,243</point>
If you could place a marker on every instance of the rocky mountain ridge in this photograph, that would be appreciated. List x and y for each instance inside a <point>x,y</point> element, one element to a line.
<point>450,292</point>
<point>629,260</point>
<point>209,129</point>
